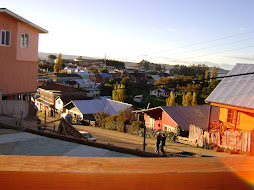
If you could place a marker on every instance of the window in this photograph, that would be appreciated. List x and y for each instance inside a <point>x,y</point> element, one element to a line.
<point>24,40</point>
<point>5,38</point>
<point>233,116</point>
<point>168,128</point>
<point>150,121</point>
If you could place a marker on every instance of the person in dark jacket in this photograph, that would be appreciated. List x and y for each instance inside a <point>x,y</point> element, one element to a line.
<point>158,141</point>
<point>163,140</point>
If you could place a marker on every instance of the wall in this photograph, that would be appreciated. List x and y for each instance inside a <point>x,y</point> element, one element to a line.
<point>245,123</point>
<point>30,53</point>
<point>17,76</point>
<point>161,119</point>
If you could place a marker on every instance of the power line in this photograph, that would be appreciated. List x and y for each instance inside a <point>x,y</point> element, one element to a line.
<point>211,46</point>
<point>210,53</point>
<point>194,44</point>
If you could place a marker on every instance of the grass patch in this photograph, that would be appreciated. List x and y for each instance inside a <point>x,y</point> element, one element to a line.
<point>156,102</point>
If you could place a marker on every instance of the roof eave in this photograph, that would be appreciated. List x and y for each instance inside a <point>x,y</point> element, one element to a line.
<point>21,19</point>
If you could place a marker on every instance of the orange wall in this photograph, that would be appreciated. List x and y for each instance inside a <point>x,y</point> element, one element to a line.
<point>17,75</point>
<point>246,119</point>
<point>30,53</point>
<point>164,119</point>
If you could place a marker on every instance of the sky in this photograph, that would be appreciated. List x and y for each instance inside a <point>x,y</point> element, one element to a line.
<point>213,32</point>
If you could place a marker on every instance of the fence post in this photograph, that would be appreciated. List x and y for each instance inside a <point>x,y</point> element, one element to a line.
<point>252,143</point>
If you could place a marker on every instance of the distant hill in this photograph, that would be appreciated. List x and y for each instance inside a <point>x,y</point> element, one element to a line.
<point>43,55</point>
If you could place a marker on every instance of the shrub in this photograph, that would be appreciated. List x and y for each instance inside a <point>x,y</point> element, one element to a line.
<point>111,122</point>
<point>125,114</point>
<point>120,123</point>
<point>100,119</point>
<point>114,122</point>
<point>136,126</point>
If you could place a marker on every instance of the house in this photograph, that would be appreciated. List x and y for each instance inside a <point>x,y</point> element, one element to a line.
<point>138,98</point>
<point>86,108</point>
<point>61,101</point>
<point>85,83</point>
<point>93,92</point>
<point>85,74</point>
<point>61,77</point>
<point>49,92</point>
<point>102,77</point>
<point>234,96</point>
<point>167,118</point>
<point>115,74</point>
<point>162,92</point>
<point>137,78</point>
<point>44,78</point>
<point>18,55</point>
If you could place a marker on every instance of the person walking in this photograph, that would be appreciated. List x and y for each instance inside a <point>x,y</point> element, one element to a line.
<point>163,140</point>
<point>158,141</point>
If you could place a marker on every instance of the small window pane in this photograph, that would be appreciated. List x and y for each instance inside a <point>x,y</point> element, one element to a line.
<point>3,37</point>
<point>8,38</point>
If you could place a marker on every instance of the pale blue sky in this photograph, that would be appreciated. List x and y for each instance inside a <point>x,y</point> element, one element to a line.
<point>132,30</point>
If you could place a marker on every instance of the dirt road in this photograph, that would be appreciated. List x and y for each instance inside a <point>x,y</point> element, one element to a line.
<point>135,142</point>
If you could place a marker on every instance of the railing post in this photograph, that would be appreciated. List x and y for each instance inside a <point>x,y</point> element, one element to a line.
<point>209,118</point>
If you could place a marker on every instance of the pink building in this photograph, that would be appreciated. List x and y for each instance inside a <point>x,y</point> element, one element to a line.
<point>18,55</point>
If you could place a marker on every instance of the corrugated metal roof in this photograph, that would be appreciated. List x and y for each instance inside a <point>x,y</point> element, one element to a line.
<point>110,107</point>
<point>236,90</point>
<point>198,115</point>
<point>105,74</point>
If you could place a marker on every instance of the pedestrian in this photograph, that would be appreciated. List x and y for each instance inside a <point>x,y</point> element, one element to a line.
<point>158,141</point>
<point>163,140</point>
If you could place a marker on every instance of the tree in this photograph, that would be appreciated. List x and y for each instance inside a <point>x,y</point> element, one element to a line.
<point>206,75</point>
<point>119,93</point>
<point>51,56</point>
<point>194,99</point>
<point>59,64</point>
<point>103,71</point>
<point>188,98</point>
<point>214,73</point>
<point>170,101</point>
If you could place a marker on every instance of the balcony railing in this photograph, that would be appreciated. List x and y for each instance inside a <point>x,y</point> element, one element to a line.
<point>219,126</point>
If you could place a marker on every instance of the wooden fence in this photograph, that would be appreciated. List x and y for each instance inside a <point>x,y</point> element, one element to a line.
<point>234,140</point>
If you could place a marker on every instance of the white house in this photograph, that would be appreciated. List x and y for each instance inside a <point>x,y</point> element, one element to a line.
<point>138,98</point>
<point>93,92</point>
<point>85,83</point>
<point>162,92</point>
<point>80,108</point>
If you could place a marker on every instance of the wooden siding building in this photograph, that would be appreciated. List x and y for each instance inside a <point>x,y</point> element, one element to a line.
<point>18,54</point>
<point>234,97</point>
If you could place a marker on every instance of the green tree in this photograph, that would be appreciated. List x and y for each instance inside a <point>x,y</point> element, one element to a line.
<point>51,56</point>
<point>170,101</point>
<point>59,64</point>
<point>194,99</point>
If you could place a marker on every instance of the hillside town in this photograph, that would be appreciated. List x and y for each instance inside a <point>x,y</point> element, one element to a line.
<point>141,109</point>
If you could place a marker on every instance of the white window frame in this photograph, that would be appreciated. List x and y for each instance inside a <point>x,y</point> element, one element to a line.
<point>24,40</point>
<point>5,38</point>
<point>168,128</point>
<point>150,121</point>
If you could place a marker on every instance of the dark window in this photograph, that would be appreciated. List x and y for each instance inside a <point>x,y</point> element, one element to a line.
<point>5,37</point>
